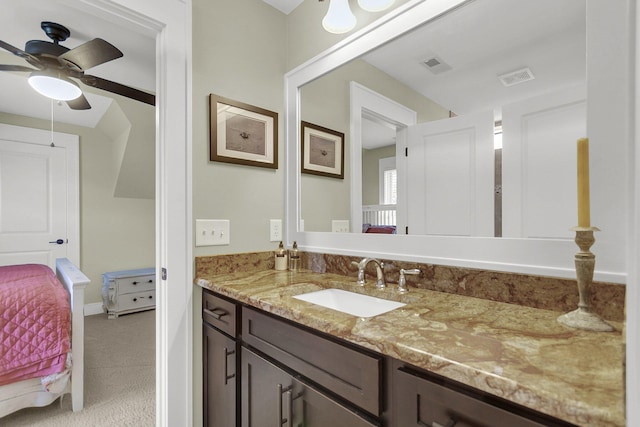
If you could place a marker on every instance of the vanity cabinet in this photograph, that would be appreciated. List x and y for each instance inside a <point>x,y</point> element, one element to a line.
<point>272,397</point>
<point>421,400</point>
<point>220,355</point>
<point>264,371</point>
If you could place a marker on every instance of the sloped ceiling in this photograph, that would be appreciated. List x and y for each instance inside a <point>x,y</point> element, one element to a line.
<point>20,22</point>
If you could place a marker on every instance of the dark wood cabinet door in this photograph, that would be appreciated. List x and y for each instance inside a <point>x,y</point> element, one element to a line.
<point>264,387</point>
<point>273,398</point>
<point>420,402</point>
<point>219,379</point>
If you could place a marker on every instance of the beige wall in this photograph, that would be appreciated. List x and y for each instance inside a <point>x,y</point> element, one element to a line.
<point>116,233</point>
<point>326,102</point>
<point>239,54</point>
<point>241,50</point>
<point>371,172</point>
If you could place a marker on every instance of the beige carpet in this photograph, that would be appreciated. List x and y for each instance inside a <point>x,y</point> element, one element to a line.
<point>119,382</point>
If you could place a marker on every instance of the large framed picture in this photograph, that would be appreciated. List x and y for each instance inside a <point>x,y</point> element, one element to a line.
<point>322,151</point>
<point>243,134</point>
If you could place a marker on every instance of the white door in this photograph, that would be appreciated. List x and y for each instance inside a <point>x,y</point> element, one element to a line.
<point>38,196</point>
<point>539,164</point>
<point>450,175</point>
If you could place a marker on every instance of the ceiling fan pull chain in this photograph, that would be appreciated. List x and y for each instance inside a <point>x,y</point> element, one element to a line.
<point>52,144</point>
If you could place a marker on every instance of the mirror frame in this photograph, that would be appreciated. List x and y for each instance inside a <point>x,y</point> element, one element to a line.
<point>542,257</point>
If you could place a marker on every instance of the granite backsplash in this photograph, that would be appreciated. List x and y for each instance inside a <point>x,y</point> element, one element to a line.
<point>532,291</point>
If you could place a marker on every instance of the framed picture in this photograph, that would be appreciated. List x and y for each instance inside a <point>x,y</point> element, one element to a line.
<point>322,151</point>
<point>242,134</point>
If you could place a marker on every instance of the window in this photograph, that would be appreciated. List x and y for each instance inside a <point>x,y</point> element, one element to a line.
<point>388,181</point>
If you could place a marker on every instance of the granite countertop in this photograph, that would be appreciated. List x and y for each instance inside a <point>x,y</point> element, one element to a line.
<point>518,353</point>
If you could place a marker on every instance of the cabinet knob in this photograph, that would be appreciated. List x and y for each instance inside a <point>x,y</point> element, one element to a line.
<point>134,283</point>
<point>135,299</point>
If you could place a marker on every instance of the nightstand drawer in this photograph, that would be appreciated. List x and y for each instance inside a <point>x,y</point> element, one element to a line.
<point>137,300</point>
<point>136,284</point>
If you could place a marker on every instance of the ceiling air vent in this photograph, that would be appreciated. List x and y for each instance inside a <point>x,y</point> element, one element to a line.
<point>516,77</point>
<point>436,65</point>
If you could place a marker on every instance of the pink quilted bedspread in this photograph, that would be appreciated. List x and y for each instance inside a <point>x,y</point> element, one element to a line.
<point>35,323</point>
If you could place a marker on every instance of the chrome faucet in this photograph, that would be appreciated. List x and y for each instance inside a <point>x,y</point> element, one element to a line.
<point>379,271</point>
<point>402,282</point>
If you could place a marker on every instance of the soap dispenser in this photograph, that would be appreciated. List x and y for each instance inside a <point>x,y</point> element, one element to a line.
<point>281,258</point>
<point>294,257</point>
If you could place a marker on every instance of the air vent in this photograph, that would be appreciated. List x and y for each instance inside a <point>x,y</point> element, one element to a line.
<point>516,77</point>
<point>436,65</point>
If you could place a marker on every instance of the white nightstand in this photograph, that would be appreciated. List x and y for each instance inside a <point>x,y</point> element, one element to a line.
<point>128,291</point>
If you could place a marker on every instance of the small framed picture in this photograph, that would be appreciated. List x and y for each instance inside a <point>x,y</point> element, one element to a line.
<point>243,134</point>
<point>322,151</point>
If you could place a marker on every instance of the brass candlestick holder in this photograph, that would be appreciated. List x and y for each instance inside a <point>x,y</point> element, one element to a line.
<point>585,261</point>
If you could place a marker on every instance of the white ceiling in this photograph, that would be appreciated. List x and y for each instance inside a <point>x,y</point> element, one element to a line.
<point>20,22</point>
<point>284,6</point>
<point>486,38</point>
<point>482,40</point>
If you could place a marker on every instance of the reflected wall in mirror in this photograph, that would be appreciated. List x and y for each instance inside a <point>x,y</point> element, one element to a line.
<point>538,206</point>
<point>488,61</point>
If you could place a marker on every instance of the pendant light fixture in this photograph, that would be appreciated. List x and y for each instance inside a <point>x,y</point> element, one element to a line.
<point>375,5</point>
<point>54,85</point>
<point>339,18</point>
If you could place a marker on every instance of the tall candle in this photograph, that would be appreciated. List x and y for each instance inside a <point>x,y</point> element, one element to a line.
<point>584,215</point>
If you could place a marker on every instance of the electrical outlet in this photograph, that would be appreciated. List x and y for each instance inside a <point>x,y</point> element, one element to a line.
<point>340,226</point>
<point>212,232</point>
<point>275,230</point>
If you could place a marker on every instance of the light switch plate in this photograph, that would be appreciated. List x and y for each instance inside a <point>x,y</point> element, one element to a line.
<point>275,230</point>
<point>340,226</point>
<point>213,232</point>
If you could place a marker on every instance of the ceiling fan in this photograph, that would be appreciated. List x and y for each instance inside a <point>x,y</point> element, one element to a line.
<point>56,65</point>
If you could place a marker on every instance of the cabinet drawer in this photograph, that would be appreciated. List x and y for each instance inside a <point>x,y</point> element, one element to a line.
<point>219,312</point>
<point>136,284</point>
<point>349,373</point>
<point>136,300</point>
<point>422,402</point>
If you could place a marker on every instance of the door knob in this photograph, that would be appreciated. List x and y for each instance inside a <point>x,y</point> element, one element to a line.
<point>58,242</point>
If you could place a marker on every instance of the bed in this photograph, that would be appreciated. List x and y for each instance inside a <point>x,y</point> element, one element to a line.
<point>379,219</point>
<point>41,335</point>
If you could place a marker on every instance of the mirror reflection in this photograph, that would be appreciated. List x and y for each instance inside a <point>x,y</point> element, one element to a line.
<point>497,89</point>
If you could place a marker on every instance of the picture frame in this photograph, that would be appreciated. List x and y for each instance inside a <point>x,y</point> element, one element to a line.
<point>322,151</point>
<point>242,134</point>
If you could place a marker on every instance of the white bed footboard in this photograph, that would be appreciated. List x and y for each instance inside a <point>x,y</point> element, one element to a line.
<point>75,281</point>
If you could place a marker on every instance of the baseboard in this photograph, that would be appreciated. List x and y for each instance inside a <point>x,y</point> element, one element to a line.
<point>93,308</point>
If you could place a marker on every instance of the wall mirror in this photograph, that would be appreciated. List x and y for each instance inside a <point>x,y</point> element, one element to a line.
<point>460,119</point>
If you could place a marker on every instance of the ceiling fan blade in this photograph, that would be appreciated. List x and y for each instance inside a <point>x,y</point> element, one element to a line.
<point>18,52</point>
<point>119,89</point>
<point>80,103</point>
<point>8,67</point>
<point>90,54</point>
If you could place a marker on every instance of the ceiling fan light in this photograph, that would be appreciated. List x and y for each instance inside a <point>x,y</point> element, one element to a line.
<point>375,5</point>
<point>54,86</point>
<point>339,18</point>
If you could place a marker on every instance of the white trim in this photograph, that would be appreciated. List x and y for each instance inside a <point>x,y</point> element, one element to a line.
<point>170,21</point>
<point>363,99</point>
<point>93,308</point>
<point>633,250</point>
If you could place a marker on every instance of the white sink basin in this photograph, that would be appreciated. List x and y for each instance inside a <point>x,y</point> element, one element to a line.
<point>349,302</point>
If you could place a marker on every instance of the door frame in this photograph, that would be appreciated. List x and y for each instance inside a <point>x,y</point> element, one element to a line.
<point>71,145</point>
<point>169,22</point>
